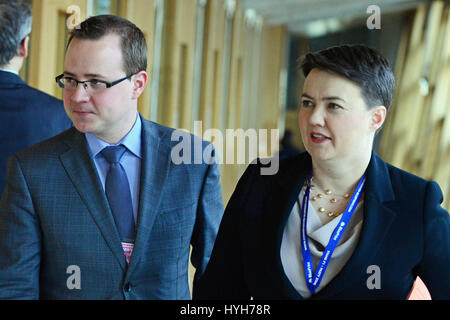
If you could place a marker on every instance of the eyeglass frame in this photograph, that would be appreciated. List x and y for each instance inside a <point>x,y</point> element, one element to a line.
<point>108,84</point>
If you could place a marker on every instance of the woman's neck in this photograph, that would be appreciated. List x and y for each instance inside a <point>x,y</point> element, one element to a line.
<point>341,176</point>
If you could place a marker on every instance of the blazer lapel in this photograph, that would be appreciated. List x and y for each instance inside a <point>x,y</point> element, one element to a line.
<point>83,174</point>
<point>154,171</point>
<point>290,183</point>
<point>379,213</point>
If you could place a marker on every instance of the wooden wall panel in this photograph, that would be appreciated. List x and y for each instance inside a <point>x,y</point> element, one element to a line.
<point>417,136</point>
<point>142,14</point>
<point>176,78</point>
<point>49,41</point>
<point>268,105</point>
<point>213,50</point>
<point>231,172</point>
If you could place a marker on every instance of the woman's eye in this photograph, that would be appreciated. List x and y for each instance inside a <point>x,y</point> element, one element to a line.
<point>307,103</point>
<point>334,106</point>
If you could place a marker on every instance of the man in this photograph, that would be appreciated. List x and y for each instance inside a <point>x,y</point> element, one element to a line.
<point>76,223</point>
<point>27,115</point>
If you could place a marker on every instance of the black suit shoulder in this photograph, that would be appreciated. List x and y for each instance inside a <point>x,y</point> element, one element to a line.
<point>47,101</point>
<point>27,116</point>
<point>403,178</point>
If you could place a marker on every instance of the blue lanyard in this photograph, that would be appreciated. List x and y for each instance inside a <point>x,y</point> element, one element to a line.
<point>313,282</point>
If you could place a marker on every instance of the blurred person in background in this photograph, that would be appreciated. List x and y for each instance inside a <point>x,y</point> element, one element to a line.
<point>27,115</point>
<point>287,148</point>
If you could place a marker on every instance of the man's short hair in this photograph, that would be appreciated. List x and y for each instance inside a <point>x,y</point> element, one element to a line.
<point>362,65</point>
<point>134,47</point>
<point>15,25</point>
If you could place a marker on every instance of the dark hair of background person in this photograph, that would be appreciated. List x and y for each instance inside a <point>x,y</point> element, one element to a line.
<point>134,47</point>
<point>362,65</point>
<point>15,25</point>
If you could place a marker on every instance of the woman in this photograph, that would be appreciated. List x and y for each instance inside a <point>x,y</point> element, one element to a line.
<point>336,222</point>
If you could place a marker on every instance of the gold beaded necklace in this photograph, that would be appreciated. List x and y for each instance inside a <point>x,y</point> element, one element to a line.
<point>327,195</point>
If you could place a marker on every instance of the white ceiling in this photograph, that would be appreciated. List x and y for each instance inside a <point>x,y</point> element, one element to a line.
<point>316,17</point>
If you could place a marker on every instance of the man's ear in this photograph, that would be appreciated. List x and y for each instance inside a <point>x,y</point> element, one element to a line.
<point>378,115</point>
<point>139,81</point>
<point>23,47</point>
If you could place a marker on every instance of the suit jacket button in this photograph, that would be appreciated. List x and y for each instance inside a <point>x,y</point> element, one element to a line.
<point>128,287</point>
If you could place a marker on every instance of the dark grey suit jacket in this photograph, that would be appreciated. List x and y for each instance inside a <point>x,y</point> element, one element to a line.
<point>54,214</point>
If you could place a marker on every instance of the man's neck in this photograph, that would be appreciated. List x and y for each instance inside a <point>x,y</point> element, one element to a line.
<point>14,65</point>
<point>117,135</point>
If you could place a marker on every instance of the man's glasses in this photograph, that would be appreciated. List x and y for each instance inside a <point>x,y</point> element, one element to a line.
<point>91,86</point>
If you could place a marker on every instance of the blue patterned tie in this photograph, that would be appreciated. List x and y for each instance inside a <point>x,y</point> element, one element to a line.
<point>118,193</point>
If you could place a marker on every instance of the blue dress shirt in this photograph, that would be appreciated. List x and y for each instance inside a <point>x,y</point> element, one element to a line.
<point>131,160</point>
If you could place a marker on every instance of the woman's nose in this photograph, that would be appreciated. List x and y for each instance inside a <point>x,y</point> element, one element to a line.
<point>317,117</point>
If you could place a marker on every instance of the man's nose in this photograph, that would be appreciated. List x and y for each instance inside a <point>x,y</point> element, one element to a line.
<point>80,94</point>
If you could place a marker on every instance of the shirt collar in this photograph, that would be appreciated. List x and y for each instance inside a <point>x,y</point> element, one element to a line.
<point>11,71</point>
<point>132,141</point>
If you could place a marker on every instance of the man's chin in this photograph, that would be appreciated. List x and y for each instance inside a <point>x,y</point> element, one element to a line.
<point>83,127</point>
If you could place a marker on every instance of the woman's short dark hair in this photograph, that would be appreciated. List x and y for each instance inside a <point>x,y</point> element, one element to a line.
<point>363,65</point>
<point>15,25</point>
<point>134,47</point>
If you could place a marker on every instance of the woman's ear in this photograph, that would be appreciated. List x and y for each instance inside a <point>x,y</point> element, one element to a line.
<point>139,82</point>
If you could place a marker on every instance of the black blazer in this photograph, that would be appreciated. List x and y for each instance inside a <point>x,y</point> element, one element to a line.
<point>406,233</point>
<point>27,116</point>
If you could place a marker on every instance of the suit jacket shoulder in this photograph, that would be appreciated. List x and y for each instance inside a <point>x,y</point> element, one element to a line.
<point>184,147</point>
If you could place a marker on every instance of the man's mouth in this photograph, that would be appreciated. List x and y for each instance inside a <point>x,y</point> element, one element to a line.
<point>82,112</point>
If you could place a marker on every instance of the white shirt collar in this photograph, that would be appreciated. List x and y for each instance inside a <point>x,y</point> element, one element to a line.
<point>11,71</point>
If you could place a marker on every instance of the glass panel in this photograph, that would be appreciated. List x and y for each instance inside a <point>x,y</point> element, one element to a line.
<point>105,7</point>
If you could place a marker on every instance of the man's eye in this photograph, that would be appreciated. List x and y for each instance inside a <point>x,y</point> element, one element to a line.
<point>97,84</point>
<point>70,81</point>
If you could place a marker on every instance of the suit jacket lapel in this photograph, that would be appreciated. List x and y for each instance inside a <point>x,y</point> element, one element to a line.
<point>379,213</point>
<point>154,171</point>
<point>83,174</point>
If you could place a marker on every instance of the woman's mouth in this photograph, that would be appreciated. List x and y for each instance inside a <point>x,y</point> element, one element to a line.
<point>319,138</point>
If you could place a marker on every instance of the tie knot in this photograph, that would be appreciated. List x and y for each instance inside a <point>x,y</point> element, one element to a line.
<point>113,154</point>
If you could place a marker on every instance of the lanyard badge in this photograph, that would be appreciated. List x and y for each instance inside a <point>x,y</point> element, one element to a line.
<point>313,280</point>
